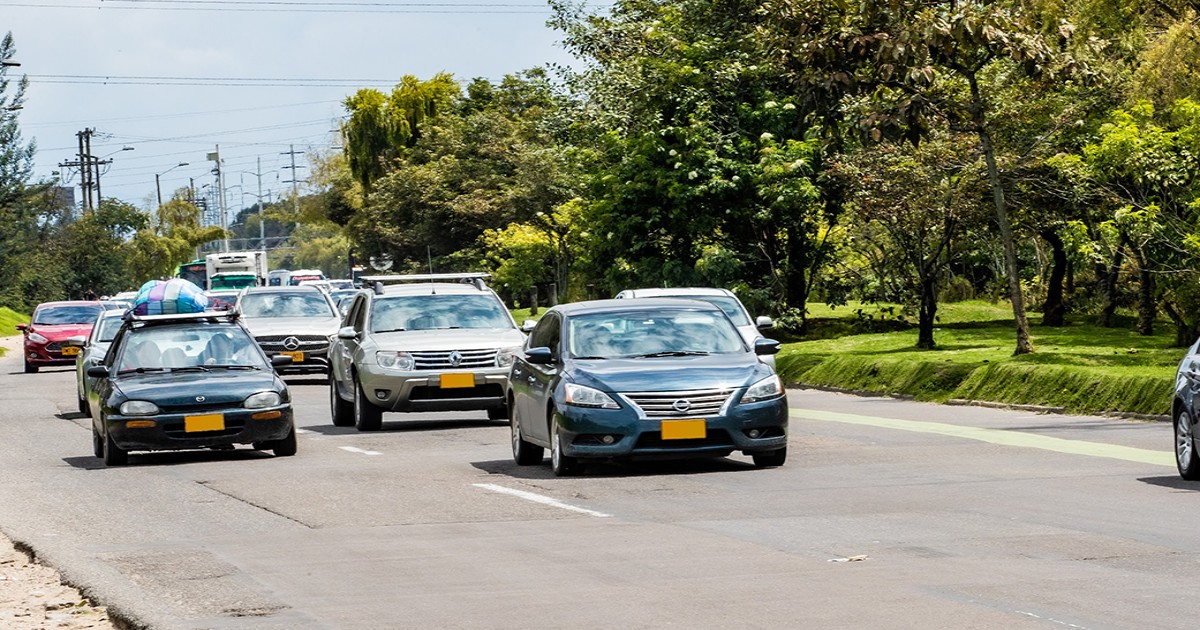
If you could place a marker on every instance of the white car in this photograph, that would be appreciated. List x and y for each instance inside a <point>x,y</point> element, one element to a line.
<point>723,298</point>
<point>292,321</point>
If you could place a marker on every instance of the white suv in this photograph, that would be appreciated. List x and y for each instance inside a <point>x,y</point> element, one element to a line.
<point>429,342</point>
<point>722,298</point>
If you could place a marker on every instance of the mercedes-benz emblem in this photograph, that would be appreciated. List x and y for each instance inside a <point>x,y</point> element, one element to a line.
<point>291,343</point>
<point>199,399</point>
<point>681,405</point>
<point>456,358</point>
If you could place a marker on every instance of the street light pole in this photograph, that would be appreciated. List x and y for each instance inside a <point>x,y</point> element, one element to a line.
<point>158,185</point>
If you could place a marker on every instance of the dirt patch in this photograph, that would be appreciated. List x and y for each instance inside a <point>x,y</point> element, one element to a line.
<point>32,596</point>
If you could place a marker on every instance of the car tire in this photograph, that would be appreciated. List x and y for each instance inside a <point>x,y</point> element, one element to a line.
<point>770,459</point>
<point>561,464</point>
<point>287,446</point>
<point>97,443</point>
<point>341,410</point>
<point>114,455</point>
<point>30,368</point>
<point>83,407</point>
<point>1186,458</point>
<point>524,453</point>
<point>498,413</point>
<point>367,417</point>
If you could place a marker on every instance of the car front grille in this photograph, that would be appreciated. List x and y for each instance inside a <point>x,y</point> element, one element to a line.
<point>306,343</point>
<point>56,346</point>
<point>714,438</point>
<point>178,430</point>
<point>442,360</point>
<point>703,402</point>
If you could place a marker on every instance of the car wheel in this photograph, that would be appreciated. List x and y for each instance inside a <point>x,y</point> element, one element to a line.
<point>114,455</point>
<point>561,464</point>
<point>287,446</point>
<point>524,453</point>
<point>29,367</point>
<point>1186,458</point>
<point>770,459</point>
<point>97,443</point>
<point>367,417</point>
<point>341,410</point>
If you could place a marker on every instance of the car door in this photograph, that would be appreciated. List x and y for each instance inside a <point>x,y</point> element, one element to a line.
<point>538,380</point>
<point>347,349</point>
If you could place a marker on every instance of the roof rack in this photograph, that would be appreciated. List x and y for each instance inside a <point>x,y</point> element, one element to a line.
<point>230,314</point>
<point>473,277</point>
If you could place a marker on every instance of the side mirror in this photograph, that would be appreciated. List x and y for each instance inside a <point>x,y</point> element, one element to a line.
<point>539,356</point>
<point>528,325</point>
<point>280,360</point>
<point>98,371</point>
<point>79,341</point>
<point>22,327</point>
<point>764,322</point>
<point>765,346</point>
<point>347,333</point>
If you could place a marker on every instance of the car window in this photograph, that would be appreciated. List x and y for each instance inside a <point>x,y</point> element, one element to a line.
<point>284,304</point>
<point>438,312</point>
<point>107,329</point>
<point>652,331</point>
<point>547,333</point>
<point>67,314</point>
<point>188,346</point>
<point>360,314</point>
<point>732,307</point>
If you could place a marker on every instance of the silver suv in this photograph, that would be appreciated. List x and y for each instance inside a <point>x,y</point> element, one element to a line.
<point>429,342</point>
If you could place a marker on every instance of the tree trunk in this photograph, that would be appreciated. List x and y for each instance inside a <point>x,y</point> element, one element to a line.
<point>1109,286</point>
<point>1147,310</point>
<point>1070,277</point>
<point>927,311</point>
<point>1054,311</point>
<point>1185,334</point>
<point>1024,344</point>
<point>796,278</point>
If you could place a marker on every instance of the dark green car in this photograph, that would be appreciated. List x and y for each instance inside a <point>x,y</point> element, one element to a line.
<point>173,382</point>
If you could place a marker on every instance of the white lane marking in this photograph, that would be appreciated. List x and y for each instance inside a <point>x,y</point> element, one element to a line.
<point>1050,619</point>
<point>304,431</point>
<point>537,498</point>
<point>355,449</point>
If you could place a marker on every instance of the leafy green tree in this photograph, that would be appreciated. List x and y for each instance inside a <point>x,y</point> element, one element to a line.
<point>16,157</point>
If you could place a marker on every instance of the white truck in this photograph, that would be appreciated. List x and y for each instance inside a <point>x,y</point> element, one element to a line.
<point>236,270</point>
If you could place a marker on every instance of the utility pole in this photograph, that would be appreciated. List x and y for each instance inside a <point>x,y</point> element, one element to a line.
<point>294,181</point>
<point>262,231</point>
<point>89,170</point>
<point>216,157</point>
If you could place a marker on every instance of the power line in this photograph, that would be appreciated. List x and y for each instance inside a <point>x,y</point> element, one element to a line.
<point>176,115</point>
<point>96,79</point>
<point>426,8</point>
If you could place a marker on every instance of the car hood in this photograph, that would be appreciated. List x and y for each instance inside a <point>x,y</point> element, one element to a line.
<point>669,374</point>
<point>217,387</point>
<point>259,326</point>
<point>450,339</point>
<point>61,331</point>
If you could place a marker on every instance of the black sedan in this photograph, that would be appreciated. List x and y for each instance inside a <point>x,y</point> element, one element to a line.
<point>190,381</point>
<point>643,378</point>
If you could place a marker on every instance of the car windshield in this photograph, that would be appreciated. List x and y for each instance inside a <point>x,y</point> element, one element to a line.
<point>67,314</point>
<point>732,307</point>
<point>189,346</point>
<point>652,332</point>
<point>107,330</point>
<point>433,312</point>
<point>286,304</point>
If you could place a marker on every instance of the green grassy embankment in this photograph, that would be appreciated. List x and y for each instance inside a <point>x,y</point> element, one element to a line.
<point>8,322</point>
<point>1080,367</point>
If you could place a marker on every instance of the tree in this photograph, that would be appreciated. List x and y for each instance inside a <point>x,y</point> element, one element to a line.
<point>16,158</point>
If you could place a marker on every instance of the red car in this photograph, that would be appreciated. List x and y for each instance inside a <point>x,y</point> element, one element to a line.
<point>52,323</point>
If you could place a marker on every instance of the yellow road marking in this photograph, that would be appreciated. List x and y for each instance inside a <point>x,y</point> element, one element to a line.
<point>997,436</point>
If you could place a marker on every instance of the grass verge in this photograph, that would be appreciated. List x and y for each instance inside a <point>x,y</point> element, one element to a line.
<point>8,322</point>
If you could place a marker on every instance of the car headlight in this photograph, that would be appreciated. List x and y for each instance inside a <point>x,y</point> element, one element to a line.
<point>138,408</point>
<point>582,396</point>
<point>504,357</point>
<point>36,338</point>
<point>769,387</point>
<point>261,400</point>
<point>395,360</point>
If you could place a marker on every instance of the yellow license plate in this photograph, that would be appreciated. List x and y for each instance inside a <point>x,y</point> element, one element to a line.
<point>210,422</point>
<point>457,380</point>
<point>683,429</point>
<point>297,356</point>
<point>70,351</point>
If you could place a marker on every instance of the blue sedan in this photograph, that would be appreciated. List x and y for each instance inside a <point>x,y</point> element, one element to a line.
<point>643,378</point>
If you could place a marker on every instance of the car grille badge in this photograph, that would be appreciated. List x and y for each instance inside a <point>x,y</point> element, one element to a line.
<point>681,405</point>
<point>456,358</point>
<point>291,343</point>
<point>200,399</point>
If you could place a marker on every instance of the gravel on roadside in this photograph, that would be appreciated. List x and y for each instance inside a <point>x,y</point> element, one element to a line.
<point>33,597</point>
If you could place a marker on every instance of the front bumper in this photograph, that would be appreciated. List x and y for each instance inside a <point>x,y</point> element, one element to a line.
<point>169,431</point>
<point>638,436</point>
<point>41,355</point>
<point>423,391</point>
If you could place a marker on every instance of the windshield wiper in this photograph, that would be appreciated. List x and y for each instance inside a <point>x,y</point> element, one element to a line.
<point>671,353</point>
<point>233,367</point>
<point>379,332</point>
<point>190,368</point>
<point>587,358</point>
<point>143,370</point>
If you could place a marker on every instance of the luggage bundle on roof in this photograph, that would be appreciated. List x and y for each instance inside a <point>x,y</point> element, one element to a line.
<point>169,297</point>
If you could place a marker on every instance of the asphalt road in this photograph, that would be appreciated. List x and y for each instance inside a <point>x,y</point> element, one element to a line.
<point>889,514</point>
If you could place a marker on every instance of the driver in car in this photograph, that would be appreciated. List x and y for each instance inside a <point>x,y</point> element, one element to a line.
<point>221,351</point>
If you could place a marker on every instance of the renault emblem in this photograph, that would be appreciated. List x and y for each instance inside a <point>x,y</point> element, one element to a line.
<point>681,405</point>
<point>456,358</point>
<point>199,399</point>
<point>291,343</point>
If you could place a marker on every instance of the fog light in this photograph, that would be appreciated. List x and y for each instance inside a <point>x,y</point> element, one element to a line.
<point>608,439</point>
<point>140,424</point>
<point>754,433</point>
<point>267,415</point>
<point>382,394</point>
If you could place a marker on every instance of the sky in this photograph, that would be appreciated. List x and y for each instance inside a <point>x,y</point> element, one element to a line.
<point>274,74</point>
